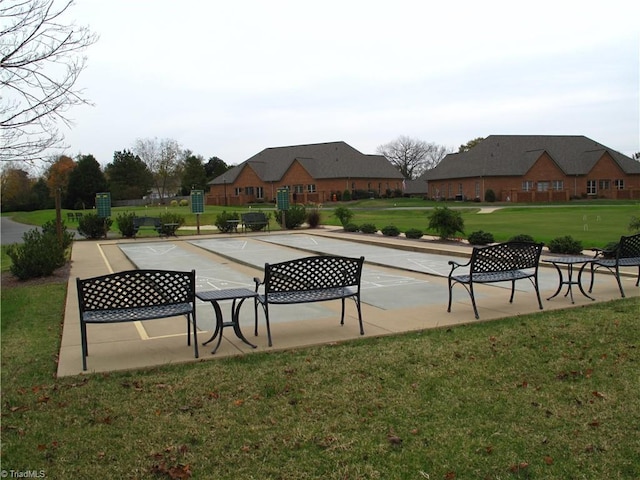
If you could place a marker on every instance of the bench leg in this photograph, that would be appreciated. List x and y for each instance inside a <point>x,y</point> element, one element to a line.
<point>83,341</point>
<point>192,317</point>
<point>473,301</point>
<point>513,290</point>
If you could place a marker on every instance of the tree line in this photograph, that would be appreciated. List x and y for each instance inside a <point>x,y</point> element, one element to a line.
<point>158,168</point>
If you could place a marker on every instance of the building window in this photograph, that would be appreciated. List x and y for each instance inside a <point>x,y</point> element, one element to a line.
<point>604,184</point>
<point>558,185</point>
<point>298,189</point>
<point>311,188</point>
<point>248,190</point>
<point>592,187</point>
<point>259,192</point>
<point>619,184</point>
<point>477,189</point>
<point>237,191</point>
<point>543,186</point>
<point>527,185</point>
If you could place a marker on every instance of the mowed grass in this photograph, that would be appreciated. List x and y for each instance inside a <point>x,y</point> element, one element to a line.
<point>594,224</point>
<point>549,395</point>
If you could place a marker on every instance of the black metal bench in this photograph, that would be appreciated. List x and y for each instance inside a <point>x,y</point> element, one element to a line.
<point>310,279</point>
<point>504,262</point>
<point>254,221</point>
<point>625,254</point>
<point>146,222</point>
<point>135,295</point>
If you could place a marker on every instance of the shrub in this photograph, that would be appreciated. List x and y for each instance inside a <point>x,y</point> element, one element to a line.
<point>170,217</point>
<point>38,256</point>
<point>294,217</point>
<point>313,218</point>
<point>92,226</point>
<point>184,202</point>
<point>390,231</point>
<point>67,237</point>
<point>523,237</point>
<point>634,224</point>
<point>125,224</point>
<point>413,233</point>
<point>346,196</point>
<point>565,244</point>
<point>480,238</point>
<point>368,228</point>
<point>173,203</point>
<point>446,222</point>
<point>343,214</point>
<point>221,222</point>
<point>489,195</point>
<point>351,227</point>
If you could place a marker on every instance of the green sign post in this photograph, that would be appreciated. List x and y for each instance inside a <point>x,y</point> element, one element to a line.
<point>197,201</point>
<point>103,204</point>
<point>197,206</point>
<point>283,199</point>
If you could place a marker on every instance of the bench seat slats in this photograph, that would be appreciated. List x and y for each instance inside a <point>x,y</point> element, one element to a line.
<point>136,314</point>
<point>493,276</point>
<point>309,295</point>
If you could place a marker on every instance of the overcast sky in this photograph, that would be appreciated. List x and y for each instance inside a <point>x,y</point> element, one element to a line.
<point>231,78</point>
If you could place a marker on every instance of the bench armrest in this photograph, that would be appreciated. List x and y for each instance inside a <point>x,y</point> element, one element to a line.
<point>258,282</point>
<point>455,265</point>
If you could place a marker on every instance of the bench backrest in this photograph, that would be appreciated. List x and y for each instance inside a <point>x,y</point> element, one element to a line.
<point>629,247</point>
<point>136,288</point>
<point>147,222</point>
<point>313,273</point>
<point>254,217</point>
<point>505,256</point>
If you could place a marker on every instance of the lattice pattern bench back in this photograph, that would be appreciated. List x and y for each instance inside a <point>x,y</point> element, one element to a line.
<point>629,247</point>
<point>136,288</point>
<point>254,217</point>
<point>505,256</point>
<point>313,273</point>
<point>147,222</point>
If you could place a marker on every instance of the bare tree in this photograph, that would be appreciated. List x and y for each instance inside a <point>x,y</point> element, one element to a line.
<point>163,158</point>
<point>40,62</point>
<point>412,156</point>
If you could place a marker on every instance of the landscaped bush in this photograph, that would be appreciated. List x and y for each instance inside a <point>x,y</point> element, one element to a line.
<point>67,237</point>
<point>489,195</point>
<point>313,218</point>
<point>446,222</point>
<point>221,221</point>
<point>414,233</point>
<point>38,256</point>
<point>346,196</point>
<point>480,238</point>
<point>351,227</point>
<point>523,237</point>
<point>390,231</point>
<point>171,217</point>
<point>368,228</point>
<point>294,217</point>
<point>125,224</point>
<point>184,202</point>
<point>92,226</point>
<point>634,224</point>
<point>343,214</point>
<point>173,203</point>
<point>565,244</point>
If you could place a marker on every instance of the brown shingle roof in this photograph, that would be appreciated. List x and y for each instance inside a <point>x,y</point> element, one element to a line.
<point>321,160</point>
<point>514,155</point>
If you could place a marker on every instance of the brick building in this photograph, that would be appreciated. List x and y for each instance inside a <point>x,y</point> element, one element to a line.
<point>313,173</point>
<point>534,168</point>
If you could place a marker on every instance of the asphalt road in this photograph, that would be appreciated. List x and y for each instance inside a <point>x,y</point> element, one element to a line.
<point>11,232</point>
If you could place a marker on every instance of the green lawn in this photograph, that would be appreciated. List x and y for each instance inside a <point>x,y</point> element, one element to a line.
<point>548,395</point>
<point>593,223</point>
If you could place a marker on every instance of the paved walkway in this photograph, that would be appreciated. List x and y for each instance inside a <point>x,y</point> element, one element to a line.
<point>404,288</point>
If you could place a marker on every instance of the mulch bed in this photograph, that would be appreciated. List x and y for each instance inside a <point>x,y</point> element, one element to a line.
<point>61,275</point>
